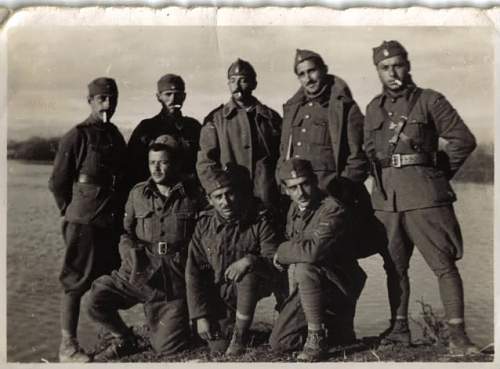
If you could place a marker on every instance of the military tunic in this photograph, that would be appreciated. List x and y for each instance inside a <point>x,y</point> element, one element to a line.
<point>154,251</point>
<point>87,182</point>
<point>414,202</point>
<point>320,236</point>
<point>184,129</point>
<point>249,139</point>
<point>215,245</point>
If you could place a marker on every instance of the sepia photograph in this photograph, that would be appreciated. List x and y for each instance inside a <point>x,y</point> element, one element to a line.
<point>189,190</point>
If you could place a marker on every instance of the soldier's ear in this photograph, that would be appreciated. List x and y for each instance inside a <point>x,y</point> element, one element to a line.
<point>325,68</point>
<point>409,65</point>
<point>89,99</point>
<point>158,97</point>
<point>254,84</point>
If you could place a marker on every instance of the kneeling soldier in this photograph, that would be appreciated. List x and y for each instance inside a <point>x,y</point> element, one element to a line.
<point>327,279</point>
<point>229,266</point>
<point>159,221</point>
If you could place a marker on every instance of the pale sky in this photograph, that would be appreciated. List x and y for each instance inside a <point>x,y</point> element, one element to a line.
<point>50,67</point>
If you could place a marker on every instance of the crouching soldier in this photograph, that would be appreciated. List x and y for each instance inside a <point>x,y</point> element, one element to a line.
<point>229,267</point>
<point>327,279</point>
<point>159,221</point>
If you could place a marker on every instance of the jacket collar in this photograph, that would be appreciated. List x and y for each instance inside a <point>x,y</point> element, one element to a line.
<point>338,90</point>
<point>406,93</point>
<point>311,208</point>
<point>150,189</point>
<point>230,108</point>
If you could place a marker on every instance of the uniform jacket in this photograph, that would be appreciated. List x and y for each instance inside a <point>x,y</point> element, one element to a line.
<point>216,244</point>
<point>417,187</point>
<point>150,219</point>
<point>96,150</point>
<point>320,235</point>
<point>226,137</point>
<point>185,129</point>
<point>345,125</point>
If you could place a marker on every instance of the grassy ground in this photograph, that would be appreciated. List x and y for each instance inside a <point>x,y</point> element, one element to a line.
<point>366,349</point>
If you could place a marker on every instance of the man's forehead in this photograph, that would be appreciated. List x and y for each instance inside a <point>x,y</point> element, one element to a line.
<point>161,154</point>
<point>221,191</point>
<point>290,182</point>
<point>308,64</point>
<point>393,60</point>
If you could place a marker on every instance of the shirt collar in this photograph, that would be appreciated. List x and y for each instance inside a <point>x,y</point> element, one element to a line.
<point>406,93</point>
<point>230,108</point>
<point>151,190</point>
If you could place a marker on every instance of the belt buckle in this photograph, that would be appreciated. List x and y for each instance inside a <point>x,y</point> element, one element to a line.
<point>396,161</point>
<point>162,248</point>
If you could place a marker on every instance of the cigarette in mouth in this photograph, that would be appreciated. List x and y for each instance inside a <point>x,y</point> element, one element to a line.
<point>398,82</point>
<point>177,106</point>
<point>104,117</point>
<point>237,94</point>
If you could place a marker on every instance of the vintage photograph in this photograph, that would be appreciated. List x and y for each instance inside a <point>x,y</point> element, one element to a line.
<point>243,193</point>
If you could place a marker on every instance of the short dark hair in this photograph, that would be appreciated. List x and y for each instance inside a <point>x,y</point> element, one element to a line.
<point>162,147</point>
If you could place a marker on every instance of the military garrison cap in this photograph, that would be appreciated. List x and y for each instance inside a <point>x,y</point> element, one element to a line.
<point>171,82</point>
<point>302,55</point>
<point>218,178</point>
<point>295,168</point>
<point>241,67</point>
<point>103,86</point>
<point>166,140</point>
<point>388,49</point>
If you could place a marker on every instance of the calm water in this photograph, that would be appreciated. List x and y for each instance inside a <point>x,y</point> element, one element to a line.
<point>35,249</point>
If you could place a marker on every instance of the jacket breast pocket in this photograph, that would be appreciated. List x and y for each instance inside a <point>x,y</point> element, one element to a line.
<point>319,133</point>
<point>145,225</point>
<point>415,128</point>
<point>181,227</point>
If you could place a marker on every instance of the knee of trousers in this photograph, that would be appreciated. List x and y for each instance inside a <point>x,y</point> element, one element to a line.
<point>306,273</point>
<point>98,307</point>
<point>447,270</point>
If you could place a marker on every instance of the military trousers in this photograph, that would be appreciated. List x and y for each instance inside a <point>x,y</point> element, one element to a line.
<point>91,251</point>
<point>168,321</point>
<point>290,330</point>
<point>436,234</point>
<point>242,296</point>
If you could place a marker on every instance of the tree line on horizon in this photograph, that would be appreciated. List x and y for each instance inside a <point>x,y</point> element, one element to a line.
<point>478,168</point>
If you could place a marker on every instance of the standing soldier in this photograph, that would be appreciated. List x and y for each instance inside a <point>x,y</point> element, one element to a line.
<point>87,183</point>
<point>323,124</point>
<point>327,279</point>
<point>412,196</point>
<point>159,221</point>
<point>170,121</point>
<point>229,265</point>
<point>245,132</point>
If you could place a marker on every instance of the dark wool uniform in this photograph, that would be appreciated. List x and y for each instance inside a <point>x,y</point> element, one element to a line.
<point>154,251</point>
<point>215,245</point>
<point>327,131</point>
<point>184,129</point>
<point>318,248</point>
<point>411,194</point>
<point>87,183</point>
<point>248,138</point>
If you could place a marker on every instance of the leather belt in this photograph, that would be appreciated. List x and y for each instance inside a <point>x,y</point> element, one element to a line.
<point>404,160</point>
<point>161,248</point>
<point>109,181</point>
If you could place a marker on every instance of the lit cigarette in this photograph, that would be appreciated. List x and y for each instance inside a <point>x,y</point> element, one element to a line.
<point>104,117</point>
<point>237,94</point>
<point>398,82</point>
<point>177,106</point>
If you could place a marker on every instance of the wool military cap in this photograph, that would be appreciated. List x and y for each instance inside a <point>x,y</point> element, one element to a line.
<point>302,55</point>
<point>218,178</point>
<point>103,86</point>
<point>171,82</point>
<point>295,168</point>
<point>242,68</point>
<point>166,140</point>
<point>388,49</point>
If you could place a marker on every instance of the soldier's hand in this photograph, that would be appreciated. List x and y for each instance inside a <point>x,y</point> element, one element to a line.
<point>203,328</point>
<point>276,263</point>
<point>237,270</point>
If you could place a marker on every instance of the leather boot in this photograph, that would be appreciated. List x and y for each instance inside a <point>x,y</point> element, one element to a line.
<point>315,347</point>
<point>238,343</point>
<point>398,334</point>
<point>71,352</point>
<point>459,342</point>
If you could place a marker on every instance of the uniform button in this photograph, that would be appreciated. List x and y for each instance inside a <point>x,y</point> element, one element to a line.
<point>299,143</point>
<point>393,100</point>
<point>310,104</point>
<point>297,156</point>
<point>303,129</point>
<point>307,116</point>
<point>390,113</point>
